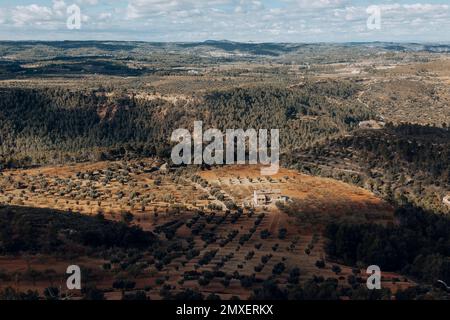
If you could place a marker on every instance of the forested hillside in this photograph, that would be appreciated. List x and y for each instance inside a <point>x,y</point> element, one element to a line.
<point>58,126</point>
<point>405,163</point>
<point>419,245</point>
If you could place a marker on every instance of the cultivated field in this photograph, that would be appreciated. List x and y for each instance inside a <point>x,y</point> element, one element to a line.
<point>205,245</point>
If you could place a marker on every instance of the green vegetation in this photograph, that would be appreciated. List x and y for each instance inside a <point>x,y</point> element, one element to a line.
<point>404,163</point>
<point>419,246</point>
<point>48,126</point>
<point>48,231</point>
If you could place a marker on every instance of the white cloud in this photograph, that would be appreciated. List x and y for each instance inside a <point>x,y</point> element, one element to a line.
<point>88,2</point>
<point>59,7</point>
<point>149,8</point>
<point>315,4</point>
<point>105,16</point>
<point>37,17</point>
<point>31,14</point>
<point>425,8</point>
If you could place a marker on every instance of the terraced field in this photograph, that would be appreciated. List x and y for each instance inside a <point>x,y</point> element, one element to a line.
<point>203,245</point>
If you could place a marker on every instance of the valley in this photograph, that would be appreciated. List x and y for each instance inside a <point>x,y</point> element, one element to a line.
<point>86,175</point>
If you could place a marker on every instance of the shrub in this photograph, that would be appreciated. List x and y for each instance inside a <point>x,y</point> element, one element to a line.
<point>336,269</point>
<point>282,233</point>
<point>127,217</point>
<point>278,268</point>
<point>294,276</point>
<point>247,281</point>
<point>225,282</point>
<point>92,293</point>
<point>213,297</point>
<point>203,281</point>
<point>265,234</point>
<point>320,264</point>
<point>188,295</point>
<point>249,255</point>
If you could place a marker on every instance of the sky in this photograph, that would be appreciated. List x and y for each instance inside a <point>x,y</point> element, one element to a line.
<point>235,20</point>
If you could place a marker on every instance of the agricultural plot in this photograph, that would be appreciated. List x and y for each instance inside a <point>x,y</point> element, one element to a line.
<point>210,237</point>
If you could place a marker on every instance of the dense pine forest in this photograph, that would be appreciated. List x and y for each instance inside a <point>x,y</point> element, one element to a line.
<point>419,245</point>
<point>404,163</point>
<point>58,126</point>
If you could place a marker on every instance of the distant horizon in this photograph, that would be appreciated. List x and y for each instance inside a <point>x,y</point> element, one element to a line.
<point>234,41</point>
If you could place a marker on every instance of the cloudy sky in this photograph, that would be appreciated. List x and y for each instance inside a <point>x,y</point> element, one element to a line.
<point>239,20</point>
